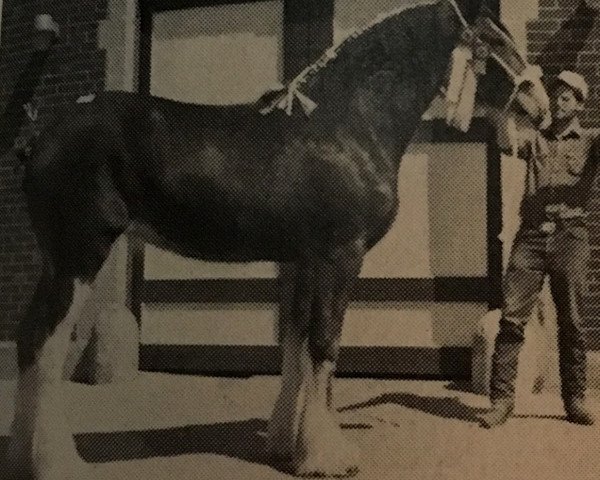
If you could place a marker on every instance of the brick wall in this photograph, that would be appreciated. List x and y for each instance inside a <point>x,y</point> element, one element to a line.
<point>75,67</point>
<point>566,35</point>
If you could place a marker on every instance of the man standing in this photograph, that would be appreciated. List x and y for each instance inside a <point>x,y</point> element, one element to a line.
<point>552,240</point>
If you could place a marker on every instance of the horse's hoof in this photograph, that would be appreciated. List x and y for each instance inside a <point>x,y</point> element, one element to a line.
<point>322,449</point>
<point>339,460</point>
<point>311,469</point>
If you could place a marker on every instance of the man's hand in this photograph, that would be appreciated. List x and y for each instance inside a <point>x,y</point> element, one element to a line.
<point>526,100</point>
<point>509,126</point>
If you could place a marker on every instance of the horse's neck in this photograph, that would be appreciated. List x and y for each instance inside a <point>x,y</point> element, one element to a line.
<point>384,105</point>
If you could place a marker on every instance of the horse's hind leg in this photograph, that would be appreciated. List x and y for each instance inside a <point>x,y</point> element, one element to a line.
<point>42,446</point>
<point>322,449</point>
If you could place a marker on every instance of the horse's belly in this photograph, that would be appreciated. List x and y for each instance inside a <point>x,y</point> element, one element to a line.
<point>228,240</point>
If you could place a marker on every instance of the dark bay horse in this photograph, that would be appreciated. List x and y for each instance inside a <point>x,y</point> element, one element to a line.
<point>308,177</point>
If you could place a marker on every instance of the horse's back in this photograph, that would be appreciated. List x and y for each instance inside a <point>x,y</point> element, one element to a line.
<point>223,183</point>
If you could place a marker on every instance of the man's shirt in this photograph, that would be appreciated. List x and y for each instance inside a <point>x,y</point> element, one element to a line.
<point>560,168</point>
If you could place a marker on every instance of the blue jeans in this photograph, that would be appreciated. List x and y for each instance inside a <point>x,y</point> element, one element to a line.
<point>562,255</point>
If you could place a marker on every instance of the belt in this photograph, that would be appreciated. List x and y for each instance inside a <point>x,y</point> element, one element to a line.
<point>558,213</point>
<point>563,212</point>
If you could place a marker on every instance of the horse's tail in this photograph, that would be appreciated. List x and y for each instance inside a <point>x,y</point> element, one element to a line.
<point>19,108</point>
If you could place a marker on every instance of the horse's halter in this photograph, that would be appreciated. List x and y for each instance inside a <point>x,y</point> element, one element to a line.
<point>469,60</point>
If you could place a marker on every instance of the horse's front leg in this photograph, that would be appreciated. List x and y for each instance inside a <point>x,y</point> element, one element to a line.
<point>41,445</point>
<point>294,317</point>
<point>322,449</point>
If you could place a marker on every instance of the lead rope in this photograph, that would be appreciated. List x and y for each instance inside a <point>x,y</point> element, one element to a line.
<point>462,86</point>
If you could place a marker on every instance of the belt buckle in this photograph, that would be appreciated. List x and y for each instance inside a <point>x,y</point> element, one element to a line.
<point>554,209</point>
<point>548,227</point>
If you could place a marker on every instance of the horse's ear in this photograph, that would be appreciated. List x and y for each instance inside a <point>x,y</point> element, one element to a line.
<point>489,9</point>
<point>474,9</point>
<point>470,9</point>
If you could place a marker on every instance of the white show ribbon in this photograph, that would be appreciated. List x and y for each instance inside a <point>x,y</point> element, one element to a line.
<point>462,83</point>
<point>461,90</point>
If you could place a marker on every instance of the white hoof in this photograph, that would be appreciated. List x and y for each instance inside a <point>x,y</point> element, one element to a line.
<point>324,451</point>
<point>337,461</point>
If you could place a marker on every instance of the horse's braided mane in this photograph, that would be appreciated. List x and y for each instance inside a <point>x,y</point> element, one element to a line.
<point>349,42</point>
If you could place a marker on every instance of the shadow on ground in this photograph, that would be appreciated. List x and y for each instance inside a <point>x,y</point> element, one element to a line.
<point>243,440</point>
<point>445,407</point>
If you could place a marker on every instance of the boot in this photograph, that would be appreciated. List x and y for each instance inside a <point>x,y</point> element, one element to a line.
<point>500,412</point>
<point>577,412</point>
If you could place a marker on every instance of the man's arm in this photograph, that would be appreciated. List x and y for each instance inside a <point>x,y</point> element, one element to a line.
<point>514,134</point>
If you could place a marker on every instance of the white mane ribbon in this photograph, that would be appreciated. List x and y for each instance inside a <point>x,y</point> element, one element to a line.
<point>292,92</point>
<point>286,103</point>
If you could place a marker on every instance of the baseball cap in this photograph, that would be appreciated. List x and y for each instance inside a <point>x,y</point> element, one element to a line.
<point>574,81</point>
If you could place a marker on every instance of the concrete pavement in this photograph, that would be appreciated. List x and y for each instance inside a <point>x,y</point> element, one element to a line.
<point>166,426</point>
